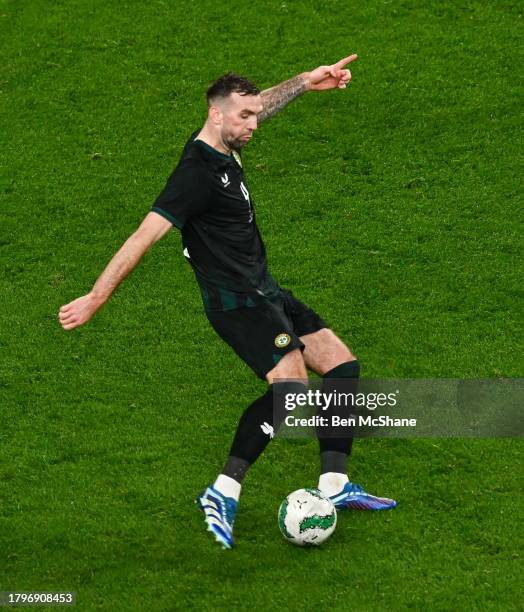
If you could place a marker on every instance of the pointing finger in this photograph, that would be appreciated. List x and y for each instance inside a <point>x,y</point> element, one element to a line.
<point>343,62</point>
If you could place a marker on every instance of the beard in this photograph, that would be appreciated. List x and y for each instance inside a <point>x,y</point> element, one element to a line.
<point>234,143</point>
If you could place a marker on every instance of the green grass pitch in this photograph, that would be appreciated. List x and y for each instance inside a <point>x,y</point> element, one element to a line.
<point>389,207</point>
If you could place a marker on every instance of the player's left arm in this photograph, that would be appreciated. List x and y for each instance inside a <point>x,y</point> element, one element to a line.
<point>335,76</point>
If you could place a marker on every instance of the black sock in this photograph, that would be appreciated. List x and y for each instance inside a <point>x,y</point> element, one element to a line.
<point>328,441</point>
<point>258,425</point>
<point>236,468</point>
<point>333,461</point>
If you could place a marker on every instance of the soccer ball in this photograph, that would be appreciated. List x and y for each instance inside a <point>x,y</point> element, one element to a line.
<point>307,517</point>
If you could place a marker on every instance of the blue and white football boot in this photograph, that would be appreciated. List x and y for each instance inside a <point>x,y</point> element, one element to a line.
<point>219,513</point>
<point>354,497</point>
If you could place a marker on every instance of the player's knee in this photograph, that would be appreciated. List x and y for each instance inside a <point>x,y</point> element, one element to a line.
<point>284,392</point>
<point>291,366</point>
<point>339,361</point>
<point>332,351</point>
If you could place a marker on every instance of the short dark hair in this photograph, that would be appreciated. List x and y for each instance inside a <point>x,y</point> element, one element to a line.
<point>231,83</point>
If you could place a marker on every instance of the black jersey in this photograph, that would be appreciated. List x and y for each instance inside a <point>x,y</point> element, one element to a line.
<point>207,198</point>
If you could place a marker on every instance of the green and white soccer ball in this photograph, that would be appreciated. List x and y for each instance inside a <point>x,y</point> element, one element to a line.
<point>307,517</point>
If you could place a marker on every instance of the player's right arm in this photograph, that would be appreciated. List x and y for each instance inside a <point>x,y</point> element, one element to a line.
<point>322,78</point>
<point>79,311</point>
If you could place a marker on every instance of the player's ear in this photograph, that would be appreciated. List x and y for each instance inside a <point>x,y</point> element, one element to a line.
<point>215,115</point>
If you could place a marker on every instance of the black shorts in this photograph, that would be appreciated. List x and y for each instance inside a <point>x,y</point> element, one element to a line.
<point>261,335</point>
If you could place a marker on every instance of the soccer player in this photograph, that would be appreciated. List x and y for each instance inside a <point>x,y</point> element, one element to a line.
<point>207,198</point>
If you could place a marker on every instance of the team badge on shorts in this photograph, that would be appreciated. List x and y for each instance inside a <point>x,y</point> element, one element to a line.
<point>282,340</point>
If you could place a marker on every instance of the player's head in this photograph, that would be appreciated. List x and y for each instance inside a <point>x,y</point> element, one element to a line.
<point>233,105</point>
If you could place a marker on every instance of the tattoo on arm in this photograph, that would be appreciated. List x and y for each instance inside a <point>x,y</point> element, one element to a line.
<point>276,98</point>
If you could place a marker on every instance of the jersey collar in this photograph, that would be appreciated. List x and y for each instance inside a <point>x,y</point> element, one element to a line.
<point>214,154</point>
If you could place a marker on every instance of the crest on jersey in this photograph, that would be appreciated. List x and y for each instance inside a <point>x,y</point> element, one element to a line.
<point>282,340</point>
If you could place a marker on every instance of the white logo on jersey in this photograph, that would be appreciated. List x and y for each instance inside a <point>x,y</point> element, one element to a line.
<point>186,253</point>
<point>225,180</point>
<point>245,193</point>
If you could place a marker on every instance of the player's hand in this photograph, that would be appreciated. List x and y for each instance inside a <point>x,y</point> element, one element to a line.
<point>331,77</point>
<point>78,311</point>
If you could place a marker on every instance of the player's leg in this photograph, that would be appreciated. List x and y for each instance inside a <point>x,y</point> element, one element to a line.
<point>325,351</point>
<point>260,421</point>
<point>327,355</point>
<point>257,426</point>
<point>262,337</point>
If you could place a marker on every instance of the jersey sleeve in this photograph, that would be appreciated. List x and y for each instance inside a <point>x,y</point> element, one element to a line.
<point>185,195</point>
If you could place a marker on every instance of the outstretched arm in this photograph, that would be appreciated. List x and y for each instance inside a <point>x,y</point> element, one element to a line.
<point>323,77</point>
<point>79,311</point>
